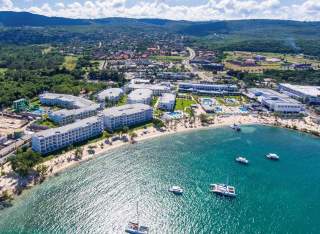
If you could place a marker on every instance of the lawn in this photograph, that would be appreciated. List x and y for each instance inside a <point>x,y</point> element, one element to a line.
<point>70,62</point>
<point>154,101</point>
<point>123,100</point>
<point>47,123</point>
<point>183,104</point>
<point>3,70</point>
<point>167,58</point>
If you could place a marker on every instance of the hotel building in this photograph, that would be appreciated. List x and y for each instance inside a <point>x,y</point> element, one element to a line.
<point>51,140</point>
<point>276,102</point>
<point>127,115</point>
<point>112,95</point>
<point>65,116</point>
<point>212,89</point>
<point>306,94</point>
<point>156,89</point>
<point>77,107</point>
<point>167,101</point>
<point>143,96</point>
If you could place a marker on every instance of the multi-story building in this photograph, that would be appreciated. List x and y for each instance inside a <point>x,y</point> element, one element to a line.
<point>51,140</point>
<point>276,102</point>
<point>20,105</point>
<point>66,116</point>
<point>127,115</point>
<point>64,100</point>
<point>156,89</point>
<point>143,96</point>
<point>112,95</point>
<point>306,94</point>
<point>213,89</point>
<point>77,107</point>
<point>167,101</point>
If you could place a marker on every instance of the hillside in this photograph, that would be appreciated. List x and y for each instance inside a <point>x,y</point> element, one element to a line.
<point>252,35</point>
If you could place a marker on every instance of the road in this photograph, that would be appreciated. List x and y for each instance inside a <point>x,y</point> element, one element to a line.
<point>201,74</point>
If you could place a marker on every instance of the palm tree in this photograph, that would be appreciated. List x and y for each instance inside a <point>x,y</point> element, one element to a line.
<point>78,153</point>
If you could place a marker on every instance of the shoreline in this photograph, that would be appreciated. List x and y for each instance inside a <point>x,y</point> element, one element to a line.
<point>12,183</point>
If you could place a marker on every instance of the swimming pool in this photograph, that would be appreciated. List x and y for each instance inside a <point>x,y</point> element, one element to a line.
<point>243,109</point>
<point>173,115</point>
<point>39,112</point>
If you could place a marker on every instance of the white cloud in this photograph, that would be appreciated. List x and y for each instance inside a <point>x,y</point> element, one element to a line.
<point>211,10</point>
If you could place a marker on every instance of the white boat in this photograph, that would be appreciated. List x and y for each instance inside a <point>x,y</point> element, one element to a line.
<point>176,190</point>
<point>242,160</point>
<point>135,227</point>
<point>273,156</point>
<point>235,127</point>
<point>223,189</point>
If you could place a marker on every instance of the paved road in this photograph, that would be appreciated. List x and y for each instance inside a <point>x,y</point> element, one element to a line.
<point>202,75</point>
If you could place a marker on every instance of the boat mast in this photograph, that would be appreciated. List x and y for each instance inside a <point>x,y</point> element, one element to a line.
<point>138,212</point>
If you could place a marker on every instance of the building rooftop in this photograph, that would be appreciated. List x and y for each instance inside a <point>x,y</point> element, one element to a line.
<point>167,98</point>
<point>66,112</point>
<point>148,86</point>
<point>306,90</point>
<point>78,102</point>
<point>140,94</point>
<point>128,109</point>
<point>270,96</point>
<point>60,130</point>
<point>109,93</point>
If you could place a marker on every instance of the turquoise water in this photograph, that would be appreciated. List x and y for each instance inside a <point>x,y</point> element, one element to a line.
<point>100,195</point>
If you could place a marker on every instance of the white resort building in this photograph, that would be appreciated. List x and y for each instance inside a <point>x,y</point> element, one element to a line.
<point>211,89</point>
<point>275,101</point>
<point>127,115</point>
<point>64,100</point>
<point>51,140</point>
<point>143,96</point>
<point>112,95</point>
<point>77,107</point>
<point>65,116</point>
<point>305,94</point>
<point>156,89</point>
<point>167,102</point>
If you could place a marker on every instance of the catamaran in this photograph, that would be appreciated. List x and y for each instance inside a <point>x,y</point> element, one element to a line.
<point>242,160</point>
<point>223,189</point>
<point>272,156</point>
<point>135,227</point>
<point>176,190</point>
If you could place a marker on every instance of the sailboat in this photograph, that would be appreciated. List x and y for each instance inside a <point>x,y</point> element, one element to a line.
<point>135,227</point>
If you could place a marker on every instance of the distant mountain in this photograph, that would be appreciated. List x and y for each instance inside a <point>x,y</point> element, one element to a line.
<point>248,27</point>
<point>20,19</point>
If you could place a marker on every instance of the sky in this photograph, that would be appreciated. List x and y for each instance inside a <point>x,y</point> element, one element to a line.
<point>195,10</point>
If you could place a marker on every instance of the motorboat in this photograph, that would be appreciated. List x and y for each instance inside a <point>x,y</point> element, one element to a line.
<point>242,160</point>
<point>272,156</point>
<point>176,190</point>
<point>223,189</point>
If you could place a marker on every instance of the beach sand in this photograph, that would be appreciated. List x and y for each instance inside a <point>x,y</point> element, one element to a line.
<point>10,181</point>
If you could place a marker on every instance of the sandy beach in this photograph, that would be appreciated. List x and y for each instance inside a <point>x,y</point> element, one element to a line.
<point>10,182</point>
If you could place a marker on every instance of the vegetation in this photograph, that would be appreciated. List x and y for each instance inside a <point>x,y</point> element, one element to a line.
<point>70,63</point>
<point>310,77</point>
<point>25,160</point>
<point>184,104</point>
<point>47,123</point>
<point>167,59</point>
